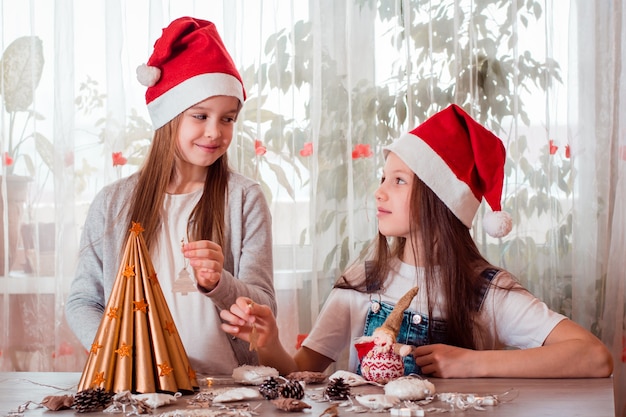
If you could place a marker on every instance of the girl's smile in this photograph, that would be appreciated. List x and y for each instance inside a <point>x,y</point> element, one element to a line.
<point>206,130</point>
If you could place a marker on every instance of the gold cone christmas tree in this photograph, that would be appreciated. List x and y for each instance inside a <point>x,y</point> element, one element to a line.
<point>137,347</point>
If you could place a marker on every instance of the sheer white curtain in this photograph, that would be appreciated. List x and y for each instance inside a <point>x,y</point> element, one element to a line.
<point>329,83</point>
<point>597,122</point>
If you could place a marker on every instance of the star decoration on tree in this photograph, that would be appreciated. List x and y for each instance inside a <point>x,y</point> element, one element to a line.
<point>98,379</point>
<point>112,314</point>
<point>140,305</point>
<point>123,350</point>
<point>166,369</point>
<point>95,347</point>
<point>170,327</point>
<point>153,278</point>
<point>136,228</point>
<point>129,271</point>
<point>191,373</point>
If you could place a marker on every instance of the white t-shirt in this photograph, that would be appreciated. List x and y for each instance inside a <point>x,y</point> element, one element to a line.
<point>510,318</point>
<point>196,318</point>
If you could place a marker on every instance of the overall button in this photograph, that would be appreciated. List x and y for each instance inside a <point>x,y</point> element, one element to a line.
<point>417,319</point>
<point>375,307</point>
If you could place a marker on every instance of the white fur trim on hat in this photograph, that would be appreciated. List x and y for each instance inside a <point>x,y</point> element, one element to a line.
<point>437,175</point>
<point>190,92</point>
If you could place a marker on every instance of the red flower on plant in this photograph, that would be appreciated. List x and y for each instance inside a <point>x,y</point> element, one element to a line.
<point>259,149</point>
<point>69,159</point>
<point>568,152</point>
<point>65,349</point>
<point>118,159</point>
<point>361,150</point>
<point>553,147</point>
<point>7,159</point>
<point>307,149</point>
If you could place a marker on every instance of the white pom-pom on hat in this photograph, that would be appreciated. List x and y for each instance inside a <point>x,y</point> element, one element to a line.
<point>497,223</point>
<point>148,76</point>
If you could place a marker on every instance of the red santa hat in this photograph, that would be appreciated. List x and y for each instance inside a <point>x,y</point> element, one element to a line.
<point>188,65</point>
<point>460,161</point>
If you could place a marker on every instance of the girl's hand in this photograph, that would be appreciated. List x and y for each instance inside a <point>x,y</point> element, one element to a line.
<point>207,260</point>
<point>445,361</point>
<point>246,318</point>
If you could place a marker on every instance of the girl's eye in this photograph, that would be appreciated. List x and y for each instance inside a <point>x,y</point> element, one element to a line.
<point>382,180</point>
<point>229,119</point>
<point>400,181</point>
<point>199,116</point>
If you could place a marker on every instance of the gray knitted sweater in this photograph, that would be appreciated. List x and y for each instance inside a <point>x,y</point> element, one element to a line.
<point>248,264</point>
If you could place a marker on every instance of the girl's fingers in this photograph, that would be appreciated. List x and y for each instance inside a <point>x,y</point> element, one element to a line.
<point>246,307</point>
<point>240,313</point>
<point>203,249</point>
<point>248,321</point>
<point>234,330</point>
<point>232,317</point>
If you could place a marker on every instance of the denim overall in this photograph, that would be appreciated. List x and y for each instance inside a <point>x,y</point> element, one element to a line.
<point>414,327</point>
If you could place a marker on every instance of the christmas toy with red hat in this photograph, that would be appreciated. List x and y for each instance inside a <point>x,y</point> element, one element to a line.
<point>460,161</point>
<point>380,354</point>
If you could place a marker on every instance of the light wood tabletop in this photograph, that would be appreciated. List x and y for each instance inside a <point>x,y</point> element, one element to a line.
<point>517,397</point>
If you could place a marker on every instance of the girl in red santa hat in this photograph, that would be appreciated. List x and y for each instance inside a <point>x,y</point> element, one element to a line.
<point>184,194</point>
<point>468,313</point>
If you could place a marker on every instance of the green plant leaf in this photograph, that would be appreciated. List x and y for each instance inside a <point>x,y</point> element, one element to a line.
<point>45,149</point>
<point>281,177</point>
<point>21,67</point>
<point>330,257</point>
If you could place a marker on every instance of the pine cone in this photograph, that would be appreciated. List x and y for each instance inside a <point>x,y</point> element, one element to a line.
<point>292,389</point>
<point>270,388</point>
<point>337,389</point>
<point>92,399</point>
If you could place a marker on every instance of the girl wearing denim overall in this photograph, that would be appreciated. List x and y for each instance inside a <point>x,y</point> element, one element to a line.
<point>467,320</point>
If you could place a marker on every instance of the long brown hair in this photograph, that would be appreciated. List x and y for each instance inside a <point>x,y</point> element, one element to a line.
<point>207,217</point>
<point>450,256</point>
